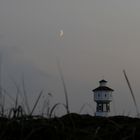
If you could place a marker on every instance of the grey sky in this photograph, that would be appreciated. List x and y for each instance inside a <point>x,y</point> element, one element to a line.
<point>101,37</point>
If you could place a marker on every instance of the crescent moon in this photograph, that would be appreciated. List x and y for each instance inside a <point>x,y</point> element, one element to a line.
<point>61,33</point>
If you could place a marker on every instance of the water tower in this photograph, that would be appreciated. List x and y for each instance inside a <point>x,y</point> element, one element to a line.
<point>103,97</point>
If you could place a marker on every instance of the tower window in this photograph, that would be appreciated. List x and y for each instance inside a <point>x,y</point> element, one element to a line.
<point>100,107</point>
<point>107,107</point>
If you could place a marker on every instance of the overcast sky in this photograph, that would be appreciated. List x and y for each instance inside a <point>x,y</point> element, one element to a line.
<point>101,38</point>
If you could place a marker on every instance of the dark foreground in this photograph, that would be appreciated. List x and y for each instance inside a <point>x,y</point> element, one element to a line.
<point>70,127</point>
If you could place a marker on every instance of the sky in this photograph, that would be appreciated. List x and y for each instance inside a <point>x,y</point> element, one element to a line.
<point>101,38</point>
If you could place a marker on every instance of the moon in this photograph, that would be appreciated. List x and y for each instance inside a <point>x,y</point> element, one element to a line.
<point>61,33</point>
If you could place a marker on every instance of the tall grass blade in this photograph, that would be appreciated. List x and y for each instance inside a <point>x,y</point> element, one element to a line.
<point>64,87</point>
<point>19,93</point>
<point>132,93</point>
<point>53,108</point>
<point>25,96</point>
<point>45,105</point>
<point>16,103</point>
<point>36,102</point>
<point>1,94</point>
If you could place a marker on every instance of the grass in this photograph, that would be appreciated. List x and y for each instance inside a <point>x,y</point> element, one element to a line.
<point>64,87</point>
<point>70,127</point>
<point>132,93</point>
<point>20,123</point>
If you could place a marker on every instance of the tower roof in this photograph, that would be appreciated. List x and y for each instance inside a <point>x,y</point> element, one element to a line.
<point>103,81</point>
<point>102,88</point>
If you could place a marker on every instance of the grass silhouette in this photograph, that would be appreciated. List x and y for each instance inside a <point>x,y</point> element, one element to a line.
<point>20,123</point>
